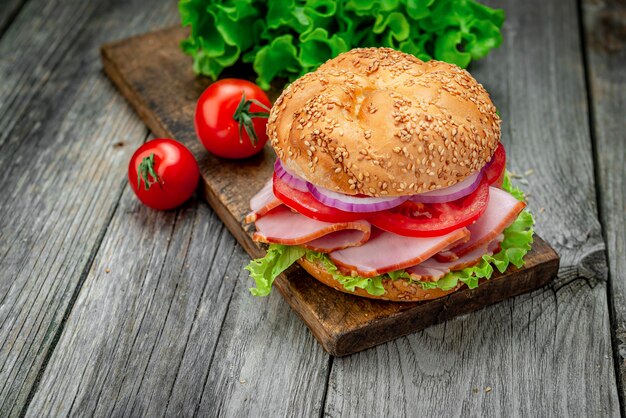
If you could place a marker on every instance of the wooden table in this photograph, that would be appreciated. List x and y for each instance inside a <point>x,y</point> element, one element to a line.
<point>109,308</point>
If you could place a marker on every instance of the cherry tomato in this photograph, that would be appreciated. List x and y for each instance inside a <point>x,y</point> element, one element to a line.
<point>494,172</point>
<point>231,118</point>
<point>413,219</point>
<point>307,205</point>
<point>163,173</point>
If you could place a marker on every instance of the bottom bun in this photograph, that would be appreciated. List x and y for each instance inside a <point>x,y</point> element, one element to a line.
<point>395,290</point>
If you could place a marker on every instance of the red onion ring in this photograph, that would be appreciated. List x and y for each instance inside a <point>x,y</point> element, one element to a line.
<point>489,163</point>
<point>454,192</point>
<point>349,203</point>
<point>374,204</point>
<point>294,181</point>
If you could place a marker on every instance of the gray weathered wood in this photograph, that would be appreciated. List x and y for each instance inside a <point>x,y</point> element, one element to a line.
<point>605,29</point>
<point>547,353</point>
<point>550,355</point>
<point>65,140</point>
<point>143,338</point>
<point>266,362</point>
<point>8,10</point>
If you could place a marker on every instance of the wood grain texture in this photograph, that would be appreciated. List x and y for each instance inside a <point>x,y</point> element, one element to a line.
<point>164,92</point>
<point>65,140</point>
<point>547,353</point>
<point>605,39</point>
<point>159,291</point>
<point>549,356</point>
<point>8,10</point>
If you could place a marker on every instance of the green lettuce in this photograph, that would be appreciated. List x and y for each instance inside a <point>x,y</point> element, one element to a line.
<point>264,270</point>
<point>288,38</point>
<point>518,239</point>
<point>373,285</point>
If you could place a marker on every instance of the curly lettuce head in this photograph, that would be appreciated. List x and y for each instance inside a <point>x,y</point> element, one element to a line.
<point>288,38</point>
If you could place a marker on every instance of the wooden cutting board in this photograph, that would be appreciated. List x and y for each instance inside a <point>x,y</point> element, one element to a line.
<point>158,81</point>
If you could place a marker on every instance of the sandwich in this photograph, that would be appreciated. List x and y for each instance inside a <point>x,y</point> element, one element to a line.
<point>390,181</point>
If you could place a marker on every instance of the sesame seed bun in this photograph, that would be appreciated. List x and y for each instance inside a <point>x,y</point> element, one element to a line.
<point>380,122</point>
<point>395,290</point>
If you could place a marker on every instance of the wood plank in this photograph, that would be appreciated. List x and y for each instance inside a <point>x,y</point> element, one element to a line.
<point>605,40</point>
<point>547,353</point>
<point>65,141</point>
<point>8,10</point>
<point>164,92</point>
<point>159,316</point>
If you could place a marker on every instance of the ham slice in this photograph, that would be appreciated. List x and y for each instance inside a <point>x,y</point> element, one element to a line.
<point>432,269</point>
<point>385,252</point>
<point>337,241</point>
<point>283,226</point>
<point>501,211</point>
<point>262,202</point>
<point>426,274</point>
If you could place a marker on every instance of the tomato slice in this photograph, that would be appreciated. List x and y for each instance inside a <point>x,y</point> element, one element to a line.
<point>307,205</point>
<point>413,219</point>
<point>495,171</point>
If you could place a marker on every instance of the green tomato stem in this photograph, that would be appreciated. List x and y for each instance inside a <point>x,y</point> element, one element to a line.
<point>244,118</point>
<point>145,170</point>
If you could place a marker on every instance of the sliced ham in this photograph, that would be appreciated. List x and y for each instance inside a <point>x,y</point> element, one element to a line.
<point>432,269</point>
<point>283,226</point>
<point>262,203</point>
<point>501,211</point>
<point>385,252</point>
<point>426,274</point>
<point>337,241</point>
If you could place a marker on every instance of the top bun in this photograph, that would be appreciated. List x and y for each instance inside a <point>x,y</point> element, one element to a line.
<point>379,122</point>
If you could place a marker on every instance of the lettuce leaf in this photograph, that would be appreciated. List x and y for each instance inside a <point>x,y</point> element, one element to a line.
<point>518,239</point>
<point>288,38</point>
<point>265,270</point>
<point>372,285</point>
